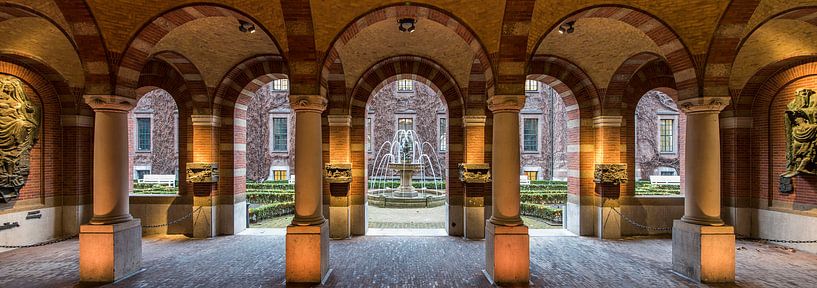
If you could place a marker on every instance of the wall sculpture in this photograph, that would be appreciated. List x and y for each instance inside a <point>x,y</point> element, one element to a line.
<point>19,125</point>
<point>801,134</point>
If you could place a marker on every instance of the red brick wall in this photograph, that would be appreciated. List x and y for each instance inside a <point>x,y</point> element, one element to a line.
<point>769,148</point>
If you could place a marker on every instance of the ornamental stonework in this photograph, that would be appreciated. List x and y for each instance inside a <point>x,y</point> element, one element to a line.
<point>610,174</point>
<point>19,126</point>
<point>801,134</point>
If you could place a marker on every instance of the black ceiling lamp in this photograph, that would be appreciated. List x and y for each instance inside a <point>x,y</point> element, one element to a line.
<point>407,24</point>
<point>245,26</point>
<point>567,27</point>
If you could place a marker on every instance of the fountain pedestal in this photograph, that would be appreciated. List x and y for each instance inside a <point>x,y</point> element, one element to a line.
<point>406,171</point>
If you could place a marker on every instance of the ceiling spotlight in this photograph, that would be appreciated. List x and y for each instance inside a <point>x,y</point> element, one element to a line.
<point>566,27</point>
<point>245,26</point>
<point>407,24</point>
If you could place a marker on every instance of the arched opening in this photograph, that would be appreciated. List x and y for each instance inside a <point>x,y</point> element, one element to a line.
<point>544,140</point>
<point>659,132</point>
<point>406,156</point>
<point>153,134</point>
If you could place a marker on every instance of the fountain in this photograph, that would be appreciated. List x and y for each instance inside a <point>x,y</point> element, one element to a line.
<point>404,156</point>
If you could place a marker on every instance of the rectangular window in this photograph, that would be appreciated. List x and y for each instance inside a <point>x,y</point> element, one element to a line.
<point>279,134</point>
<point>279,175</point>
<point>532,175</point>
<point>666,135</point>
<point>531,85</point>
<point>405,124</point>
<point>140,174</point>
<point>280,85</point>
<point>405,85</point>
<point>443,143</point>
<point>143,134</point>
<point>531,135</point>
<point>667,173</point>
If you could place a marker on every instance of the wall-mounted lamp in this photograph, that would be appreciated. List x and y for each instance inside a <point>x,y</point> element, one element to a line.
<point>245,26</point>
<point>566,27</point>
<point>407,24</point>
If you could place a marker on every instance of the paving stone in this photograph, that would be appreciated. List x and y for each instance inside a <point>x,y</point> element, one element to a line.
<point>388,261</point>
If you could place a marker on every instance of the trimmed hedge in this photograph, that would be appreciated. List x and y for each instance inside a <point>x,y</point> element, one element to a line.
<point>270,197</point>
<point>267,211</point>
<point>645,188</point>
<point>543,198</point>
<point>542,212</point>
<point>142,188</point>
<point>270,186</point>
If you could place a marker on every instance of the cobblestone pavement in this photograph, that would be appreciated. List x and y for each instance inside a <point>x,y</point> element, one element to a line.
<point>258,261</point>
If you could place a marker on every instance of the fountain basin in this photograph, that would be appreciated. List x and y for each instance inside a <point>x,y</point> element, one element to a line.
<point>387,198</point>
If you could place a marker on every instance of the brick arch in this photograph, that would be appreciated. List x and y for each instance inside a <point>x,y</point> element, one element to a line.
<point>578,93</point>
<point>433,75</point>
<point>723,47</point>
<point>230,103</point>
<point>68,99</point>
<point>672,47</point>
<point>512,58</point>
<point>137,53</point>
<point>332,74</point>
<point>88,43</point>
<point>193,80</point>
<point>766,92</point>
<point>745,98</point>
<point>612,100</point>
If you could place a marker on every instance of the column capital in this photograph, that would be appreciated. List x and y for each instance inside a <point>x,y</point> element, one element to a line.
<point>340,120</point>
<point>607,121</point>
<point>206,120</point>
<point>308,103</point>
<point>506,103</point>
<point>110,103</point>
<point>474,120</point>
<point>703,105</point>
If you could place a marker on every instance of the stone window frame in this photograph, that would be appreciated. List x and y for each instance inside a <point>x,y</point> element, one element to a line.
<point>539,123</point>
<point>668,115</point>
<point>137,168</point>
<point>273,115</point>
<point>398,116</point>
<point>369,131</point>
<point>442,144</point>
<point>146,114</point>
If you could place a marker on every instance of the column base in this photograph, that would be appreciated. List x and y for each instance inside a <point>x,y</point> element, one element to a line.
<point>454,220</point>
<point>704,254</point>
<point>609,226</point>
<point>358,222</point>
<point>109,253</point>
<point>507,254</point>
<point>474,219</point>
<point>339,227</point>
<point>307,254</point>
<point>204,224</point>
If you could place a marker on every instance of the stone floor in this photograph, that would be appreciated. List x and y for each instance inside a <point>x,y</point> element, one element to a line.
<point>380,261</point>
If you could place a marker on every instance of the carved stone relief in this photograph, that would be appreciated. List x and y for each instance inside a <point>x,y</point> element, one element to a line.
<point>801,134</point>
<point>610,173</point>
<point>19,126</point>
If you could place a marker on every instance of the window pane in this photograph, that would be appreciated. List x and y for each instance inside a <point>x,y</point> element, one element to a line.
<point>531,85</point>
<point>443,134</point>
<point>143,134</point>
<point>279,175</point>
<point>279,136</point>
<point>280,85</point>
<point>532,175</point>
<point>405,85</point>
<point>531,135</point>
<point>666,137</point>
<point>405,124</point>
<point>369,134</point>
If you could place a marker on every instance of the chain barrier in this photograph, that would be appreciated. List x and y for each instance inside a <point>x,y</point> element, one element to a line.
<point>174,221</point>
<point>744,237</point>
<point>58,240</point>
<point>642,226</point>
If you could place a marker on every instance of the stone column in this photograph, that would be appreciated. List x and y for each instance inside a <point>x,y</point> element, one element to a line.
<point>307,239</point>
<point>474,204</point>
<point>703,248</point>
<point>608,137</point>
<point>111,244</point>
<point>507,247</point>
<point>339,142</point>
<point>205,200</point>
